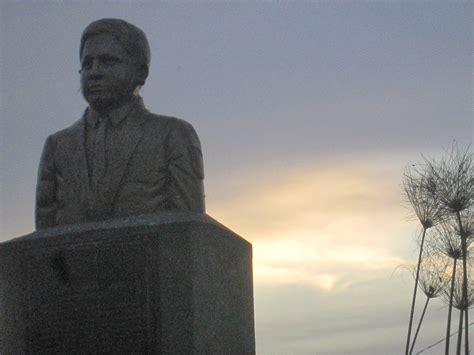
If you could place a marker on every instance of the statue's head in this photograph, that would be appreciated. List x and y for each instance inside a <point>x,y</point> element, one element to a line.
<point>115,57</point>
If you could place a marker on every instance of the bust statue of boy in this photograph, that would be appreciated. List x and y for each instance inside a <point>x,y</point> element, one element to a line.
<point>118,159</point>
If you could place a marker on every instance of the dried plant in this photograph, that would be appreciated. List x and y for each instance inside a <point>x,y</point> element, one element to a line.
<point>420,191</point>
<point>446,240</point>
<point>432,281</point>
<point>465,232</point>
<point>462,227</point>
<point>443,191</point>
<point>467,223</point>
<point>460,302</point>
<point>453,178</point>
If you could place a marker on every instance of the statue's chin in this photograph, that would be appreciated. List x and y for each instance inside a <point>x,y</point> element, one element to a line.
<point>104,103</point>
<point>99,103</point>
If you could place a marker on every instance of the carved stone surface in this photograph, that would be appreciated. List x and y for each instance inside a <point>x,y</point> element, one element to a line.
<point>95,291</point>
<point>118,159</point>
<point>168,283</point>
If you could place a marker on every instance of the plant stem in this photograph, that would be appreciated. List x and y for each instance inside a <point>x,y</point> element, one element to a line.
<point>458,349</point>
<point>464,284</point>
<point>464,299</point>
<point>419,324</point>
<point>414,291</point>
<point>450,308</point>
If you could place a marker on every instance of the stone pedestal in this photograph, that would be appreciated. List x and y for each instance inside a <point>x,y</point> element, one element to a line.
<point>176,283</point>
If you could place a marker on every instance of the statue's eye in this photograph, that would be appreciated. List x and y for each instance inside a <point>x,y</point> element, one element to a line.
<point>110,61</point>
<point>86,64</point>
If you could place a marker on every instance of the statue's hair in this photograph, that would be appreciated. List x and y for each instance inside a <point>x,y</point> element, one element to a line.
<point>132,38</point>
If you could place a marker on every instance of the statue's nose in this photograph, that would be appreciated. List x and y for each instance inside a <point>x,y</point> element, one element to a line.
<point>96,69</point>
<point>93,69</point>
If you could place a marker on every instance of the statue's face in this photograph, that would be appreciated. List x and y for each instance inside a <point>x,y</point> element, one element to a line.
<point>108,73</point>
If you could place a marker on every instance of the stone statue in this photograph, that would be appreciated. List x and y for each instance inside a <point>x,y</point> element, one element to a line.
<point>118,159</point>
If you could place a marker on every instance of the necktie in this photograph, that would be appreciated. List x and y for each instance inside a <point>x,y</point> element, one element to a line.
<point>99,161</point>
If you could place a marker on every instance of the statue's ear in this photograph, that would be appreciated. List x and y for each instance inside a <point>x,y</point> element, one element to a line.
<point>142,74</point>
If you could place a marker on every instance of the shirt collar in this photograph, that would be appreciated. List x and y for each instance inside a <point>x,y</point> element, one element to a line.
<point>115,116</point>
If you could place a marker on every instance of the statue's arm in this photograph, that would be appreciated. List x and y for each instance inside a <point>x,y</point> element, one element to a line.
<point>185,165</point>
<point>46,188</point>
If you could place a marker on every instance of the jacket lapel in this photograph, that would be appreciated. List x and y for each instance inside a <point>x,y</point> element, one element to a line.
<point>77,153</point>
<point>122,147</point>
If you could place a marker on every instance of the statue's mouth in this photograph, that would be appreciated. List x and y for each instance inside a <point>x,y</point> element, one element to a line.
<point>95,88</point>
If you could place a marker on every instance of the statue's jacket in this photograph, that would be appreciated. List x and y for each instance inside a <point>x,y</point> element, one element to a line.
<point>155,164</point>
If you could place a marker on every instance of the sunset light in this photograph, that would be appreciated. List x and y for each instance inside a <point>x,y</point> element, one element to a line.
<point>308,113</point>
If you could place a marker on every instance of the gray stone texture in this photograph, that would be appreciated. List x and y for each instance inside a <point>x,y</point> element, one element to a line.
<point>171,283</point>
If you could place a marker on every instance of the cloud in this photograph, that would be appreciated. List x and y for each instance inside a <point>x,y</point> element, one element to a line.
<point>328,226</point>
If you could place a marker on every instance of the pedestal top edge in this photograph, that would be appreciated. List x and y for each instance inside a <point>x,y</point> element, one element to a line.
<point>139,221</point>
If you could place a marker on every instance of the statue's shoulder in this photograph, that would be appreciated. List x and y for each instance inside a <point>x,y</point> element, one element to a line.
<point>65,133</point>
<point>167,120</point>
<point>171,123</point>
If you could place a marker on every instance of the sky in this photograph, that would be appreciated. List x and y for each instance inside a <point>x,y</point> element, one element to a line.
<point>308,112</point>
